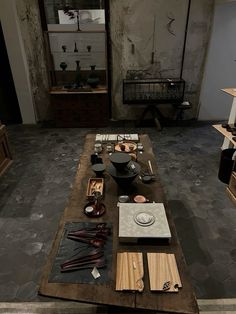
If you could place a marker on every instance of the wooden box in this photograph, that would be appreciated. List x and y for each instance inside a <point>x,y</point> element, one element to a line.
<point>5,155</point>
<point>94,185</point>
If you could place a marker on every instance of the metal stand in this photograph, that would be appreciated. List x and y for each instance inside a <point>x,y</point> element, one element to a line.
<point>156,115</point>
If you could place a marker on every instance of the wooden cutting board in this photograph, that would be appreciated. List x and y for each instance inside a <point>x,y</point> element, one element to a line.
<point>163,272</point>
<point>129,271</point>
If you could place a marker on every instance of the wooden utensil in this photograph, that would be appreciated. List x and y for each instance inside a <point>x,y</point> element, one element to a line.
<point>150,167</point>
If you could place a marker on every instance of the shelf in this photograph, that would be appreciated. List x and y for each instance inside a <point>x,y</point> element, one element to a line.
<point>230,91</point>
<point>226,134</point>
<point>98,90</point>
<point>71,31</point>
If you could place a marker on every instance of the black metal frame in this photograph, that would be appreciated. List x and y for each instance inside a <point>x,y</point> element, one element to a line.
<point>154,91</point>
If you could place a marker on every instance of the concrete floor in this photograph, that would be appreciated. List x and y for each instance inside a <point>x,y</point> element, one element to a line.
<point>35,189</point>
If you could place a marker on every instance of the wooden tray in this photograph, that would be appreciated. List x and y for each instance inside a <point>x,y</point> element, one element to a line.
<point>126,147</point>
<point>94,185</point>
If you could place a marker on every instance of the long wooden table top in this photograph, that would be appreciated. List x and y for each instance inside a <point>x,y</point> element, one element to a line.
<point>182,302</point>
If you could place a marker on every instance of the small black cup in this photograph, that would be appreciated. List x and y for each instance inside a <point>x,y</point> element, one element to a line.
<point>93,159</point>
<point>98,169</point>
<point>99,160</point>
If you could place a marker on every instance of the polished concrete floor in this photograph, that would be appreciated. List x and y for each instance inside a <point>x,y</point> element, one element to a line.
<point>35,189</point>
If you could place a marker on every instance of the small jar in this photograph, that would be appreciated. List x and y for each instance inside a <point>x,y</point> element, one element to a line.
<point>97,147</point>
<point>109,148</point>
<point>140,146</point>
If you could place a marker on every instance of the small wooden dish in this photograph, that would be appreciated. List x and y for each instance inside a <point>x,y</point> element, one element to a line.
<point>94,185</point>
<point>126,147</point>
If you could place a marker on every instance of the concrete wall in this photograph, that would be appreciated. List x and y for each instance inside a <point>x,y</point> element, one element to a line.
<point>132,22</point>
<point>29,18</point>
<point>132,25</point>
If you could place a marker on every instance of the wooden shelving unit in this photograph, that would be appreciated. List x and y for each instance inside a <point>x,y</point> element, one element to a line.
<point>224,132</point>
<point>72,51</point>
<point>228,138</point>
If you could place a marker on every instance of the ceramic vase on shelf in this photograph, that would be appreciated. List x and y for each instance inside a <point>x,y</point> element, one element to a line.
<point>63,66</point>
<point>78,81</point>
<point>63,76</point>
<point>93,79</point>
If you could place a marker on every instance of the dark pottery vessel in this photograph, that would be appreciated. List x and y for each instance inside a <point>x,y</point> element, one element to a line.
<point>127,175</point>
<point>63,66</point>
<point>120,160</point>
<point>78,74</point>
<point>93,79</point>
<point>98,169</point>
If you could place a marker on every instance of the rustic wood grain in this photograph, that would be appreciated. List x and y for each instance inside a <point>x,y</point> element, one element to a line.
<point>173,269</point>
<point>182,302</point>
<point>129,271</point>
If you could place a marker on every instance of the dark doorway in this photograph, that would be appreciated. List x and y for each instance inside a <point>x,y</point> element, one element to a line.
<point>9,107</point>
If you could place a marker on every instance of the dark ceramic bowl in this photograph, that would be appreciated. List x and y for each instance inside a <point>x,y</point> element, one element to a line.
<point>98,169</point>
<point>124,178</point>
<point>120,160</point>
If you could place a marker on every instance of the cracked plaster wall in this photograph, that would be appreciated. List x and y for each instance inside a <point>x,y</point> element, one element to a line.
<point>132,22</point>
<point>29,17</point>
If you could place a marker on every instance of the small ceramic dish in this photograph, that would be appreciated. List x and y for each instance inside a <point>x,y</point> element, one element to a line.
<point>93,210</point>
<point>140,199</point>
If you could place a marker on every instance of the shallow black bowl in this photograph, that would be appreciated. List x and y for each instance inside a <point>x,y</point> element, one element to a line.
<point>127,175</point>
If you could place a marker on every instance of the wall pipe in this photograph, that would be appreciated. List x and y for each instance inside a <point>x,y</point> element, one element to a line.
<point>185,38</point>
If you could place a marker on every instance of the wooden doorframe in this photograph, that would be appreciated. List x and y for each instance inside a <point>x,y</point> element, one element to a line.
<point>17,59</point>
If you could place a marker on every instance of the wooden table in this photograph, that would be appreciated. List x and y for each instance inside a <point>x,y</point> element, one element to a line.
<point>182,302</point>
